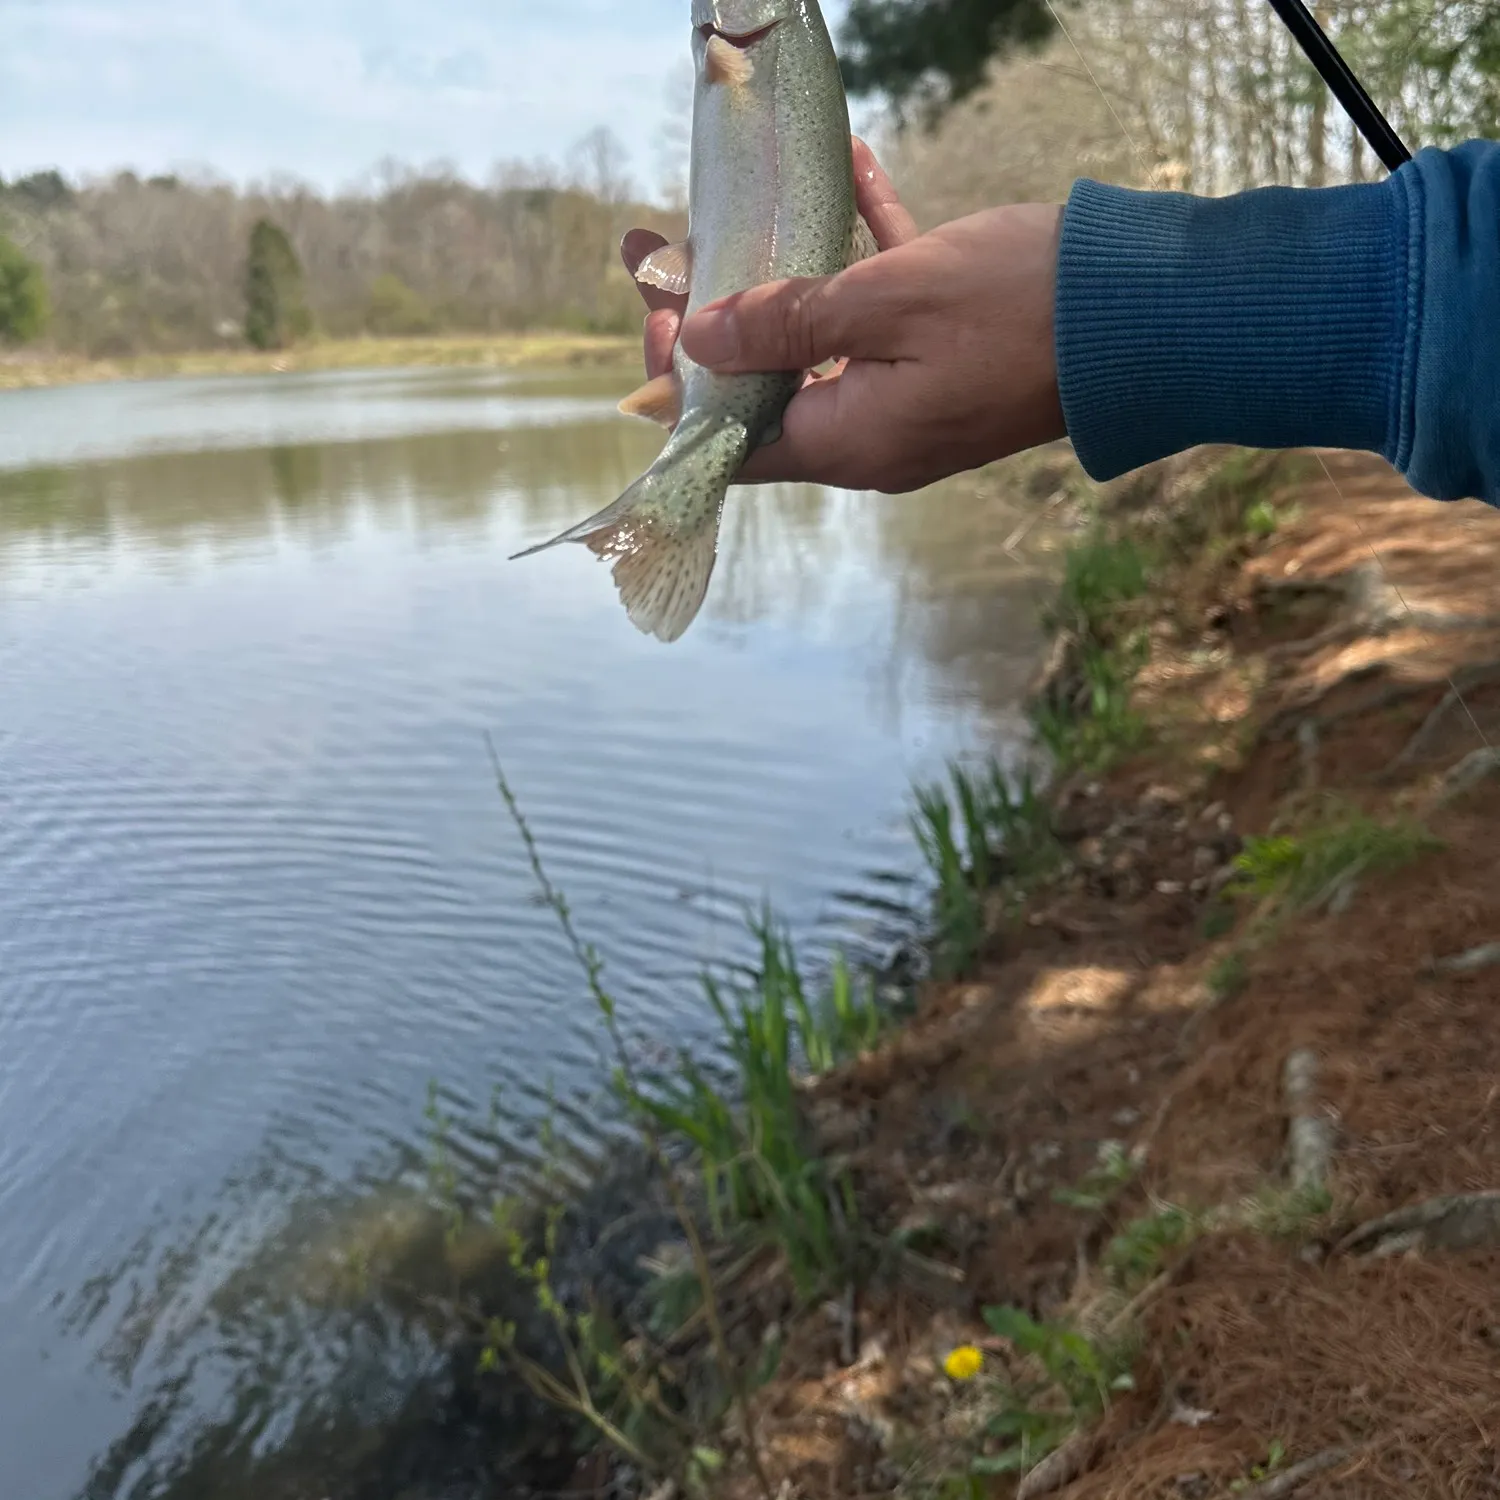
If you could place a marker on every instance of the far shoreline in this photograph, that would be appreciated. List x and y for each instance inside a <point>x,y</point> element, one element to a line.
<point>31,370</point>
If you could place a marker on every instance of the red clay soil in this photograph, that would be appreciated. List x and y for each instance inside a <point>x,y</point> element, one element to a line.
<point>1295,673</point>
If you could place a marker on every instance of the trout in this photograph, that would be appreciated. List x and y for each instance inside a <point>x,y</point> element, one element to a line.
<point>770,196</point>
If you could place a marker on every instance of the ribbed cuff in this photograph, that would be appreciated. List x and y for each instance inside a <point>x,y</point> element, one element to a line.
<point>1274,318</point>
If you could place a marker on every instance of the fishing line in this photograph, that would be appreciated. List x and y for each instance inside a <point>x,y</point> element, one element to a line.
<point>1393,153</point>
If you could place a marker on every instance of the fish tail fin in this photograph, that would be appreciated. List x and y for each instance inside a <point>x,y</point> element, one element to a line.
<point>663,531</point>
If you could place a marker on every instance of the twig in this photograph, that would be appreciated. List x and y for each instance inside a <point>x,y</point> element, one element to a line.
<point>1289,1481</point>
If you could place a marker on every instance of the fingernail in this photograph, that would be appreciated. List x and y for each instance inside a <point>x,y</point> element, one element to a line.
<point>712,337</point>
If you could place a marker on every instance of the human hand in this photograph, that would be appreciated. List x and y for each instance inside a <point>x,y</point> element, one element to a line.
<point>944,344</point>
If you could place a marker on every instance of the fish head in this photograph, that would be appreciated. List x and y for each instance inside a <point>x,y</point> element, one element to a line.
<point>742,22</point>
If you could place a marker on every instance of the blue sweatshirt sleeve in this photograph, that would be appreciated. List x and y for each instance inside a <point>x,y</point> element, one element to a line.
<point>1349,317</point>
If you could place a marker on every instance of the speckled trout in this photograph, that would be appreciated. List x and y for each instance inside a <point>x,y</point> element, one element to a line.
<point>770,195</point>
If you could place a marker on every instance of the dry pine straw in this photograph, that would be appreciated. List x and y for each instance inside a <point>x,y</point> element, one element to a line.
<point>1093,1016</point>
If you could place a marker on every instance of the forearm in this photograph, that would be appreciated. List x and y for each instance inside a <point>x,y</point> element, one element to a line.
<point>1354,317</point>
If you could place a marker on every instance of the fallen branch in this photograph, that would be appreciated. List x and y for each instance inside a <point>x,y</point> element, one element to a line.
<point>1460,1221</point>
<point>1289,1481</point>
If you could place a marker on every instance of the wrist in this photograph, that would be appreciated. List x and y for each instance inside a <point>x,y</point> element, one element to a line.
<point>1271,318</point>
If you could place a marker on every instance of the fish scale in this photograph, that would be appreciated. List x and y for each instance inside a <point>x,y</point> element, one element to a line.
<point>770,195</point>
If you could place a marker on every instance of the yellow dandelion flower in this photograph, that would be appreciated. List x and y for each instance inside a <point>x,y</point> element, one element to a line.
<point>964,1363</point>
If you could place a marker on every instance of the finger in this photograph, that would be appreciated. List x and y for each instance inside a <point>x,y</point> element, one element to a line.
<point>660,337</point>
<point>878,201</point>
<point>830,433</point>
<point>634,248</point>
<point>797,324</point>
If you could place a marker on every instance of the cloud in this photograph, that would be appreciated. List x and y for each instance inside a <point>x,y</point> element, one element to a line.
<point>324,89</point>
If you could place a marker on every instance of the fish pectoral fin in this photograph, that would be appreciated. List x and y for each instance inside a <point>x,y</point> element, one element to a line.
<point>723,62</point>
<point>862,241</point>
<point>669,267</point>
<point>659,400</point>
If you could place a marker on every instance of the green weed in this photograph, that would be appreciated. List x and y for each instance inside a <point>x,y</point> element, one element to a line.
<point>1307,870</point>
<point>1275,1457</point>
<point>1285,1213</point>
<point>1033,1417</point>
<point>1106,728</point>
<point>1099,574</point>
<point>758,1171</point>
<point>982,827</point>
<point>1134,1255</point>
<point>1228,976</point>
<point>1101,1185</point>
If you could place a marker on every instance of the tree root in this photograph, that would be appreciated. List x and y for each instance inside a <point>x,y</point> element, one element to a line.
<point>1461,1221</point>
<point>1289,1481</point>
<point>1290,718</point>
<point>1466,775</point>
<point>1309,1135</point>
<point>1477,674</point>
<point>1471,959</point>
<point>1060,1467</point>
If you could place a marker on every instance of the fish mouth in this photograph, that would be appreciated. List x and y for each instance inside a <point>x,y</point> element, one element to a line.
<point>744,40</point>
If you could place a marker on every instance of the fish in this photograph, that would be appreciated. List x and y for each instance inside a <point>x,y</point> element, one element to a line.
<point>771,195</point>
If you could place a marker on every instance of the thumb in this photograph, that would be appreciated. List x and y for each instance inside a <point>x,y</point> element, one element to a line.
<point>789,325</point>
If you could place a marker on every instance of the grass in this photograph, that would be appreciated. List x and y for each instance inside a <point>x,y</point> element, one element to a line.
<point>1103,575</point>
<point>1106,727</point>
<point>1100,573</point>
<point>1307,870</point>
<point>512,350</point>
<point>977,830</point>
<point>760,1176</point>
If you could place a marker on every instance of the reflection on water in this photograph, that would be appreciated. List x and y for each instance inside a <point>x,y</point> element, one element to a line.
<point>258,889</point>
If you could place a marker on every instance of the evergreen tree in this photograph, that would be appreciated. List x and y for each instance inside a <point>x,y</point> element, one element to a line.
<point>933,52</point>
<point>23,295</point>
<point>275,302</point>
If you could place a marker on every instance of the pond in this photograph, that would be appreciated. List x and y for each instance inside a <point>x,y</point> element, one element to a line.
<point>257,887</point>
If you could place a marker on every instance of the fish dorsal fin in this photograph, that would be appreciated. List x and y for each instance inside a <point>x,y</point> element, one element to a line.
<point>669,267</point>
<point>723,62</point>
<point>862,241</point>
<point>659,400</point>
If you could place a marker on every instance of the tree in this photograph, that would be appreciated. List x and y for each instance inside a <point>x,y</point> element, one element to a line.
<point>933,52</point>
<point>275,304</point>
<point>23,295</point>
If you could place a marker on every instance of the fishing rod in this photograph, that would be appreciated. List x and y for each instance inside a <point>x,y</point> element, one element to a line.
<point>1340,78</point>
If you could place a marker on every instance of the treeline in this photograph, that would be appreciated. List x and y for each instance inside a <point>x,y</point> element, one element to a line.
<point>134,264</point>
<point>1207,95</point>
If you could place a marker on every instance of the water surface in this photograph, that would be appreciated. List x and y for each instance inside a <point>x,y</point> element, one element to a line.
<point>257,888</point>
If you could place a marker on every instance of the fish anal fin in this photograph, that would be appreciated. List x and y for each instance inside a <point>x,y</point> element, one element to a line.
<point>669,267</point>
<point>862,241</point>
<point>659,400</point>
<point>723,62</point>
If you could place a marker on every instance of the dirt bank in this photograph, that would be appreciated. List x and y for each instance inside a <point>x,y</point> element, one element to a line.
<point>1268,971</point>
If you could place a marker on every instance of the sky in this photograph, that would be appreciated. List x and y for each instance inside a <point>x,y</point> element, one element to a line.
<point>325,89</point>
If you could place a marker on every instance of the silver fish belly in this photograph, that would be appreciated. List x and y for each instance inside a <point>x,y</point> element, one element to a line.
<point>770,195</point>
